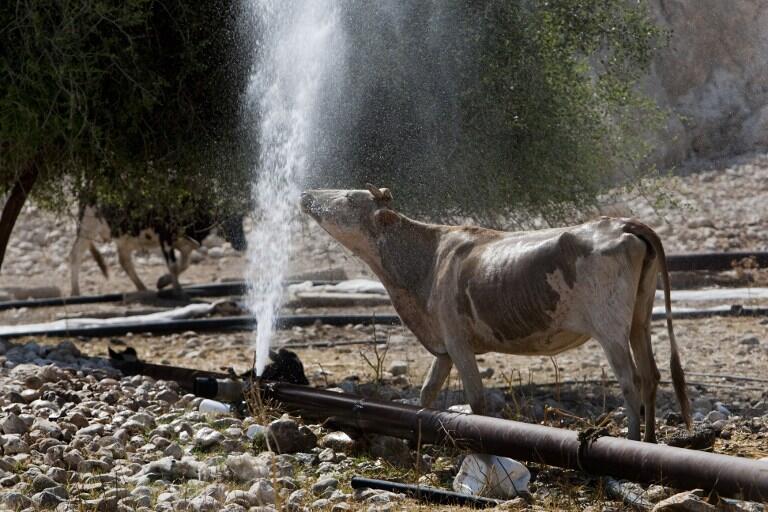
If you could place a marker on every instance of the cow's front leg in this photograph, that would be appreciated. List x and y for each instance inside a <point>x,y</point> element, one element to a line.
<point>124,257</point>
<point>466,364</point>
<point>438,372</point>
<point>177,268</point>
<point>75,259</point>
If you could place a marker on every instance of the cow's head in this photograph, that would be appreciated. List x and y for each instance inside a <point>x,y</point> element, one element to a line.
<point>232,231</point>
<point>356,218</point>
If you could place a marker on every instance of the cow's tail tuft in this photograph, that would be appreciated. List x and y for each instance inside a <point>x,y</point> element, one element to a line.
<point>99,259</point>
<point>676,368</point>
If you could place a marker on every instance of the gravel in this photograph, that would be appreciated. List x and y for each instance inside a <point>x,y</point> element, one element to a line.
<point>74,432</point>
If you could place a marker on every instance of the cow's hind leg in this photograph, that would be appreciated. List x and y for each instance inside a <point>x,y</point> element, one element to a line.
<point>124,250</point>
<point>649,376</point>
<point>185,247</point>
<point>616,347</point>
<point>438,372</point>
<point>640,338</point>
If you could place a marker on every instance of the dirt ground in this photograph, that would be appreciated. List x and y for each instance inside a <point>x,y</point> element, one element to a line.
<point>726,359</point>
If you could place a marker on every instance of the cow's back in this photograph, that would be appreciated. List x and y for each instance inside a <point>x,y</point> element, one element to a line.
<point>515,286</point>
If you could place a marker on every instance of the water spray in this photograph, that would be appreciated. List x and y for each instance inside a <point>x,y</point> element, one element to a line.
<point>302,45</point>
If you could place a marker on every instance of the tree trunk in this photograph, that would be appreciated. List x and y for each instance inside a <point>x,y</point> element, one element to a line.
<point>15,203</point>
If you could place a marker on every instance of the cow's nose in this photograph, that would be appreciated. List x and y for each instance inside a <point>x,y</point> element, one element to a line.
<point>307,201</point>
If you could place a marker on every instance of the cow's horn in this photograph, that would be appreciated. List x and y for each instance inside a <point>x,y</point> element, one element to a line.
<point>375,191</point>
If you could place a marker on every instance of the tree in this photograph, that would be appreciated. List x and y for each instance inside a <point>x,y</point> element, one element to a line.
<point>494,107</point>
<point>126,103</point>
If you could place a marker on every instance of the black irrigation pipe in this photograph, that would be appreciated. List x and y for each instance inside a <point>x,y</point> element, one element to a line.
<point>234,288</point>
<point>216,324</point>
<point>600,455</point>
<point>246,323</point>
<point>62,301</point>
<point>713,261</point>
<point>735,310</point>
<point>424,493</point>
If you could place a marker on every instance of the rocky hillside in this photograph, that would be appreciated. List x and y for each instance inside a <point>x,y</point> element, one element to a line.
<point>713,76</point>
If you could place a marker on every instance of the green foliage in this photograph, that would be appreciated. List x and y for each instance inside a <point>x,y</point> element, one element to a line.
<point>132,103</point>
<point>497,107</point>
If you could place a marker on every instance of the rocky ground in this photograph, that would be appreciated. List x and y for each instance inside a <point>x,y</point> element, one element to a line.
<point>76,435</point>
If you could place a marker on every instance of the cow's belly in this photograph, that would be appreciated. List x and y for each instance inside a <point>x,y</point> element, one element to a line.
<point>540,344</point>
<point>146,240</point>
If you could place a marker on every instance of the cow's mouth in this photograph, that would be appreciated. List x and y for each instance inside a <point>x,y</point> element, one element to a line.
<point>310,205</point>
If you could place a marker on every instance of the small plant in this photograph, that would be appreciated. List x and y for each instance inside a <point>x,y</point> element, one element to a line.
<point>377,365</point>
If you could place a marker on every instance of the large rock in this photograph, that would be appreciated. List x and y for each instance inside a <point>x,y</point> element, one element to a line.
<point>206,438</point>
<point>12,424</point>
<point>287,436</point>
<point>712,77</point>
<point>338,442</point>
<point>169,468</point>
<point>245,467</point>
<point>16,501</point>
<point>13,444</point>
<point>392,449</point>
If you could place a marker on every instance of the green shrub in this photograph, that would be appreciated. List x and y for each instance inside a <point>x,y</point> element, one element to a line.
<point>494,107</point>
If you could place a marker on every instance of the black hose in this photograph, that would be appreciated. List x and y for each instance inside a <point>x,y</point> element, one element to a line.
<point>61,301</point>
<point>713,261</point>
<point>248,323</point>
<point>219,324</point>
<point>234,288</point>
<point>422,493</point>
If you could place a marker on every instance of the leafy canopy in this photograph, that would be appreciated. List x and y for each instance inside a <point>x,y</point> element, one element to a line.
<point>133,103</point>
<point>494,107</point>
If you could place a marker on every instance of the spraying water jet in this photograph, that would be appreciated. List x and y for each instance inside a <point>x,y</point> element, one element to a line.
<point>302,44</point>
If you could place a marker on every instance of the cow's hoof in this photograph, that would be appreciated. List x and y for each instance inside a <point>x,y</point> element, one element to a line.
<point>164,280</point>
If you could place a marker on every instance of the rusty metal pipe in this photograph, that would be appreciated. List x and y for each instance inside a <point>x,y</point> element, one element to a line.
<point>633,460</point>
<point>641,462</point>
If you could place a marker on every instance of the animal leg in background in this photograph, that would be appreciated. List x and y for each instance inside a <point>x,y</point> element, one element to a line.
<point>75,259</point>
<point>124,251</point>
<point>89,228</point>
<point>438,372</point>
<point>170,260</point>
<point>185,246</point>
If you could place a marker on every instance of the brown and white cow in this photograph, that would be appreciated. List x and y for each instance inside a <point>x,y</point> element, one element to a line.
<point>466,290</point>
<point>99,224</point>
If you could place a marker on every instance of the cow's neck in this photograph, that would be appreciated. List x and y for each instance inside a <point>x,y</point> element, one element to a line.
<point>407,254</point>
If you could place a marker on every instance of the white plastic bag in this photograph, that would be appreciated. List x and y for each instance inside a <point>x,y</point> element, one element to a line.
<point>213,407</point>
<point>491,476</point>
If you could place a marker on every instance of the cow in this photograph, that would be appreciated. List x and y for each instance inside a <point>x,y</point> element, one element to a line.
<point>467,290</point>
<point>103,224</point>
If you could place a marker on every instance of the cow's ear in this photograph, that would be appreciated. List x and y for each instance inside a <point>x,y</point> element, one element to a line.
<point>386,194</point>
<point>386,217</point>
<point>375,191</point>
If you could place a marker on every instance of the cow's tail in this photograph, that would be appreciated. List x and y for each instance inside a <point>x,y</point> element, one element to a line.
<point>678,376</point>
<point>99,259</point>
